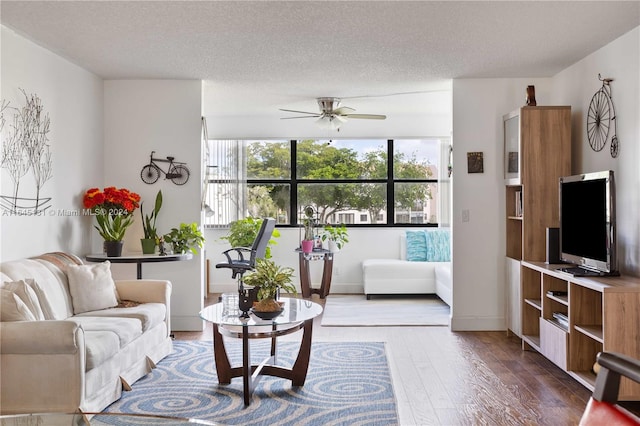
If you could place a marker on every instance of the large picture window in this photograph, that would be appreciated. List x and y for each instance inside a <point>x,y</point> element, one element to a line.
<point>369,182</point>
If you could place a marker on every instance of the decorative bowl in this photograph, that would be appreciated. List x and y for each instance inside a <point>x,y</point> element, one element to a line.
<point>266,315</point>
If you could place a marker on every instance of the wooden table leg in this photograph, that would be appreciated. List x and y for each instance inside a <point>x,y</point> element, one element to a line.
<point>305,277</point>
<point>247,380</point>
<point>223,366</point>
<point>301,366</point>
<point>327,272</point>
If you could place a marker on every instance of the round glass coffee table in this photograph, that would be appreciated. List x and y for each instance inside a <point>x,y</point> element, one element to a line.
<point>298,314</point>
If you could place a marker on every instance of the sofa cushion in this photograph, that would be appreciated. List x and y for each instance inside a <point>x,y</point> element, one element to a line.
<point>53,294</point>
<point>416,246</point>
<point>127,329</point>
<point>438,249</point>
<point>28,296</point>
<point>149,314</point>
<point>99,347</point>
<point>91,286</point>
<point>12,308</point>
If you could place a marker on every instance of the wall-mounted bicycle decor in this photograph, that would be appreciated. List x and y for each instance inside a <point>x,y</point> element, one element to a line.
<point>177,172</point>
<point>599,117</point>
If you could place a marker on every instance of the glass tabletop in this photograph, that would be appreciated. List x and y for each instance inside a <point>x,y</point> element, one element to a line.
<point>95,419</point>
<point>295,311</point>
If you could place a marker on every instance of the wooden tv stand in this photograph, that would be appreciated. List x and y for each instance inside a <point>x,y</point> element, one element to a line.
<point>602,315</point>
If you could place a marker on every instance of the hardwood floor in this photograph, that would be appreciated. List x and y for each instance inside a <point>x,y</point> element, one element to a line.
<point>462,378</point>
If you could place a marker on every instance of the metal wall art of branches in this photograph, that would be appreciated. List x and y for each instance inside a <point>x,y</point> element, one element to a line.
<point>25,153</point>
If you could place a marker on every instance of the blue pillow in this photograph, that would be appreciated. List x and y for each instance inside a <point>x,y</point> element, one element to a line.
<point>416,246</point>
<point>438,249</point>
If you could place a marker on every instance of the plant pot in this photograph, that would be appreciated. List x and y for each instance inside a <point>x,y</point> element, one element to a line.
<point>148,245</point>
<point>333,247</point>
<point>307,246</point>
<point>113,248</point>
<point>266,315</point>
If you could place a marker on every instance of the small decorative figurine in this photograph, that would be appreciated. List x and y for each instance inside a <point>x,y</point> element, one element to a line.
<point>531,96</point>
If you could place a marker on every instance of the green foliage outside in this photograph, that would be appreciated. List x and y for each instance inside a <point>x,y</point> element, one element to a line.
<point>317,160</point>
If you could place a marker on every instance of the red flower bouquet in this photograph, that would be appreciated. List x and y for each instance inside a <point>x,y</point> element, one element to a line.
<point>113,209</point>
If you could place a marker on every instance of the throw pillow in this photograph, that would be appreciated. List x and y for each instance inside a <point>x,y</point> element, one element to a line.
<point>91,286</point>
<point>43,300</point>
<point>23,289</point>
<point>438,249</point>
<point>416,246</point>
<point>12,308</point>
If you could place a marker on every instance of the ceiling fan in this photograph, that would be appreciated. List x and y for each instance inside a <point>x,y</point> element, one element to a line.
<point>332,115</point>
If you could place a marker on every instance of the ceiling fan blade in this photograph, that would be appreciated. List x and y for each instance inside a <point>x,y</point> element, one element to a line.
<point>366,116</point>
<point>343,110</point>
<point>300,116</point>
<point>315,114</point>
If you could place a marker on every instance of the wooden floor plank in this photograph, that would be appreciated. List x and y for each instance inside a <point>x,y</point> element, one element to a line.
<point>442,377</point>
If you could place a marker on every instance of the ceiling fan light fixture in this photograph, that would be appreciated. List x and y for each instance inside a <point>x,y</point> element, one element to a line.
<point>330,122</point>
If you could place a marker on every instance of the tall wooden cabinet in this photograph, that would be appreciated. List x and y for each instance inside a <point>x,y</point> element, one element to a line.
<point>537,152</point>
<point>567,319</point>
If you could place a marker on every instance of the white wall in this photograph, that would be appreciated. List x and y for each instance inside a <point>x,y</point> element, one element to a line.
<point>73,98</point>
<point>479,244</point>
<point>161,115</point>
<point>364,243</point>
<point>478,105</point>
<point>575,86</point>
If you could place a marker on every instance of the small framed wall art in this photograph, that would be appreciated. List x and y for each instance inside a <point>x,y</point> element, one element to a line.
<point>475,162</point>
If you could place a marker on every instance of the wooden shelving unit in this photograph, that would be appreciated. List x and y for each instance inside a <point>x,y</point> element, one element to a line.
<point>602,314</point>
<point>537,152</point>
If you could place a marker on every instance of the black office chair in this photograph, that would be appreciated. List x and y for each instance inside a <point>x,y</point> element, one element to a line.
<point>245,260</point>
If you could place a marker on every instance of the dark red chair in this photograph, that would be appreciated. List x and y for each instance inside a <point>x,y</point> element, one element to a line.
<point>603,408</point>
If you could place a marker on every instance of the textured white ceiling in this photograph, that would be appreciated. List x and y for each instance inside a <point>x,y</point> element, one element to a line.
<point>256,57</point>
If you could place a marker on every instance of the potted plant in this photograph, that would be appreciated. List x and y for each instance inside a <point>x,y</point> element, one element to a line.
<point>113,209</point>
<point>243,232</point>
<point>149,226</point>
<point>187,237</point>
<point>269,278</point>
<point>335,236</point>
<point>308,222</point>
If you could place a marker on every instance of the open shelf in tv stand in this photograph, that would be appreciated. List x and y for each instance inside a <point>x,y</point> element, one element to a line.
<point>602,314</point>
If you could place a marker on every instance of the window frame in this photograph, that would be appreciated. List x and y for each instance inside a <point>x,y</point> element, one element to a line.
<point>390,182</point>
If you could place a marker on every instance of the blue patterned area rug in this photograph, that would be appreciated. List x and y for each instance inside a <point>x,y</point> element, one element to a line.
<point>347,384</point>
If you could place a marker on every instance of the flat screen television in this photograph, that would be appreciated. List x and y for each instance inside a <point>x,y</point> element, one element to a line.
<point>588,223</point>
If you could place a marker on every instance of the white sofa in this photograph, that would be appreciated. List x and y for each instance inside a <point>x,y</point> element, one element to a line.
<point>68,362</point>
<point>401,276</point>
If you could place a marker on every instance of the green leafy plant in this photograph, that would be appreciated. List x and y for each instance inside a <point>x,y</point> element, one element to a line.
<point>337,234</point>
<point>243,232</point>
<point>187,237</point>
<point>149,221</point>
<point>270,277</point>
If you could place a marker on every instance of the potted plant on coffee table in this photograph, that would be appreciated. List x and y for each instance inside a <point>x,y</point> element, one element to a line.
<point>269,278</point>
<point>149,226</point>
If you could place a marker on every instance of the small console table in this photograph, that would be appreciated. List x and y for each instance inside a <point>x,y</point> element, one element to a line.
<point>138,259</point>
<point>305,277</point>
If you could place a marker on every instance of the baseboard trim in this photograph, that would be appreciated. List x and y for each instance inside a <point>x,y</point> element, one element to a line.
<point>478,323</point>
<point>342,288</point>
<point>187,323</point>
